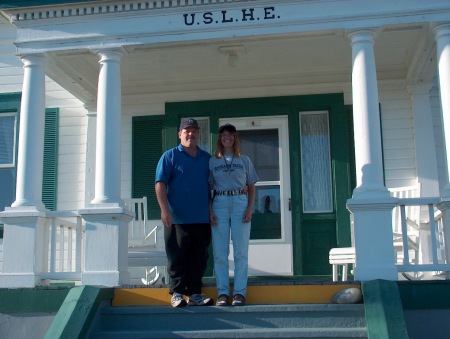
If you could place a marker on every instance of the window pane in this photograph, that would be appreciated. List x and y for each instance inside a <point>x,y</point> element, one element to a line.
<point>8,185</point>
<point>266,218</point>
<point>203,141</point>
<point>262,148</point>
<point>316,166</point>
<point>7,138</point>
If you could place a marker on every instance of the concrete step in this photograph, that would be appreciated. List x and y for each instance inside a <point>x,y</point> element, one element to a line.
<point>250,321</point>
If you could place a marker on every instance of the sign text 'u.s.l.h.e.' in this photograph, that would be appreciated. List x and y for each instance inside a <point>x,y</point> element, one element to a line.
<point>226,17</point>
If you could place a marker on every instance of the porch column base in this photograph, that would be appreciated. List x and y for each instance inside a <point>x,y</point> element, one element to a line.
<point>374,247</point>
<point>106,245</point>
<point>373,272</point>
<point>19,280</point>
<point>24,246</point>
<point>111,279</point>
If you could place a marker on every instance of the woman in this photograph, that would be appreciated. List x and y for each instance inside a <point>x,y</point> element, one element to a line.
<point>232,178</point>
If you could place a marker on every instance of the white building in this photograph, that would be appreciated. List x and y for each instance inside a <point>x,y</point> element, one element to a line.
<point>328,95</point>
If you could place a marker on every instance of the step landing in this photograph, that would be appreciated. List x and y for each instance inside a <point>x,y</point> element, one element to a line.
<point>267,293</point>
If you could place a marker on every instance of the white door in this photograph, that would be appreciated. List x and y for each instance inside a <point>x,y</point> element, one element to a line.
<point>265,141</point>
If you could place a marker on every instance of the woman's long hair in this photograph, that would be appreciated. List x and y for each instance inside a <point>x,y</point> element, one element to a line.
<point>236,146</point>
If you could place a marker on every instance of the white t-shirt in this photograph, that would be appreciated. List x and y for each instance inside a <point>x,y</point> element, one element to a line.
<point>230,172</point>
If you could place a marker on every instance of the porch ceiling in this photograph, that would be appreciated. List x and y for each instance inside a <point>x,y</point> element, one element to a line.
<point>402,52</point>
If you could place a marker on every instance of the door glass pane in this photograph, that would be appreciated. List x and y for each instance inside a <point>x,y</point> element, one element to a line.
<point>7,138</point>
<point>266,219</point>
<point>262,146</point>
<point>316,164</point>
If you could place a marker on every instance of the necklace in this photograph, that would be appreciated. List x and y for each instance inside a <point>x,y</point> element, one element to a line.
<point>228,165</point>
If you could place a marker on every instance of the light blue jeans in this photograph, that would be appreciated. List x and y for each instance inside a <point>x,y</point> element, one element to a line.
<point>230,214</point>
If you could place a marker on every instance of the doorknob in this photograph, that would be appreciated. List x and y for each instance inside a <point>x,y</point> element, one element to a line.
<point>290,205</point>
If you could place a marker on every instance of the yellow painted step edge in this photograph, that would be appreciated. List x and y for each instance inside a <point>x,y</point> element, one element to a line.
<point>256,295</point>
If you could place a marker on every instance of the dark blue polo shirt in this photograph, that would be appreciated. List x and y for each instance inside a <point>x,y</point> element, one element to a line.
<point>186,180</point>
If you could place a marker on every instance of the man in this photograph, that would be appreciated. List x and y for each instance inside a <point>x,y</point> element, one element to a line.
<point>181,186</point>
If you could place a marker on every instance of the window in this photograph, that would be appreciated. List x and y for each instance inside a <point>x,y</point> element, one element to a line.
<point>9,124</point>
<point>316,162</point>
<point>9,130</point>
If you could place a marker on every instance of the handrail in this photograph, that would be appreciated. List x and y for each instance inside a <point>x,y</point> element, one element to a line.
<point>431,254</point>
<point>64,242</point>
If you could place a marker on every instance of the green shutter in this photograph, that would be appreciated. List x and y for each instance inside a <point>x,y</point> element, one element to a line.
<point>147,149</point>
<point>50,177</point>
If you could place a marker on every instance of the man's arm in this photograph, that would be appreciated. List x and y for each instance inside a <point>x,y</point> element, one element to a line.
<point>161,196</point>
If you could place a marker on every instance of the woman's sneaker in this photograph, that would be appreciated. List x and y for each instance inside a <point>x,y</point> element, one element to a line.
<point>178,300</point>
<point>222,300</point>
<point>238,300</point>
<point>200,300</point>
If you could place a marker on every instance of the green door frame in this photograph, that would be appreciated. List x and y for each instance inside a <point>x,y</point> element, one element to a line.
<point>337,224</point>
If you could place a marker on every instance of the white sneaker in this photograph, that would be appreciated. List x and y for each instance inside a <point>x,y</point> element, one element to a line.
<point>178,300</point>
<point>200,300</point>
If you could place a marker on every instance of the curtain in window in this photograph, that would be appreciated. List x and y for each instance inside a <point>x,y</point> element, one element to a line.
<point>316,165</point>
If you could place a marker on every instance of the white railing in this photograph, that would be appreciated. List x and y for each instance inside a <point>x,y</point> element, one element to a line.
<point>423,247</point>
<point>64,240</point>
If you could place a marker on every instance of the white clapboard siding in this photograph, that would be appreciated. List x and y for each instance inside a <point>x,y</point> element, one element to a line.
<point>398,135</point>
<point>71,146</point>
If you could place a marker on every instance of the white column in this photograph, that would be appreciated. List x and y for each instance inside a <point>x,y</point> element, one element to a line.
<point>106,239</point>
<point>366,115</point>
<point>371,203</point>
<point>442,33</point>
<point>109,109</point>
<point>31,136</point>
<point>89,190</point>
<point>25,221</point>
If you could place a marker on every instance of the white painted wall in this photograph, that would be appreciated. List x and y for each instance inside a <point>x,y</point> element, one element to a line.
<point>398,135</point>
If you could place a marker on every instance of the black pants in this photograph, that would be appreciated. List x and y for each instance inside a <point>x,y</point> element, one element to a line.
<point>187,254</point>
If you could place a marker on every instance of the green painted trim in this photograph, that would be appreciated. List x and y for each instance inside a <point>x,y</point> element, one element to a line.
<point>341,169</point>
<point>50,170</point>
<point>147,148</point>
<point>384,311</point>
<point>425,295</point>
<point>10,102</point>
<point>22,300</point>
<point>77,312</point>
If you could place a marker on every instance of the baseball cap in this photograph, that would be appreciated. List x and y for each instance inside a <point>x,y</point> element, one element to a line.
<point>227,127</point>
<point>189,123</point>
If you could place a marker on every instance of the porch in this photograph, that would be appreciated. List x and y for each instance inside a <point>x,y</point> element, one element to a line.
<point>63,254</point>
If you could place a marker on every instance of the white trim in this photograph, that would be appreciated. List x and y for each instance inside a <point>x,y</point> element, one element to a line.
<point>83,9</point>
